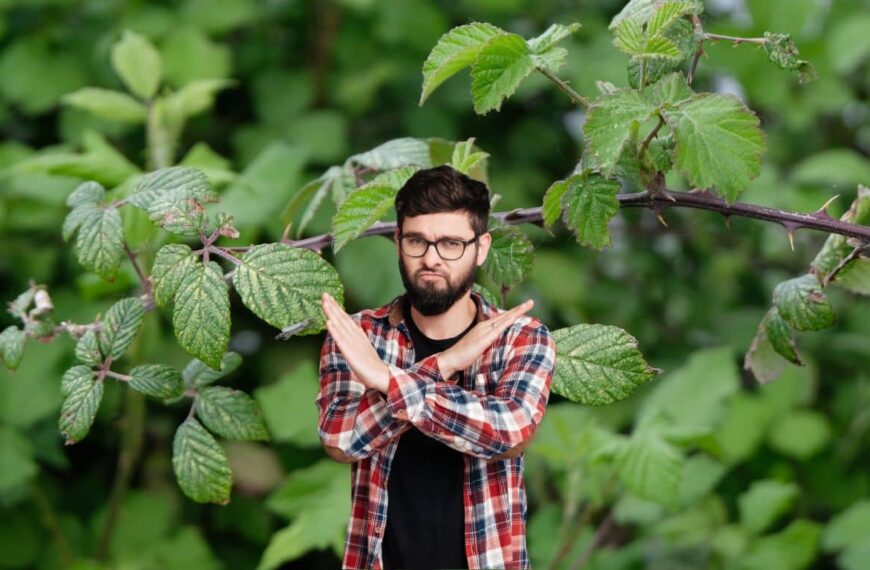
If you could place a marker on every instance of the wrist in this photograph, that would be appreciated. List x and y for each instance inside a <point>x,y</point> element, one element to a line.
<point>444,364</point>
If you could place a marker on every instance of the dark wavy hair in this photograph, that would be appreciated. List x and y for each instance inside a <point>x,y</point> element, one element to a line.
<point>444,189</point>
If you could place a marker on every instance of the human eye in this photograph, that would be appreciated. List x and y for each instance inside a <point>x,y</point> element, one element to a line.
<point>414,240</point>
<point>451,244</point>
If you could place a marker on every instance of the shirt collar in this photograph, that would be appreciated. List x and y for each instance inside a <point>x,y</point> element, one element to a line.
<point>394,313</point>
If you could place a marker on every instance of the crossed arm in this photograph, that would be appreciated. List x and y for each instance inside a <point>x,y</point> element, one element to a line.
<point>356,420</point>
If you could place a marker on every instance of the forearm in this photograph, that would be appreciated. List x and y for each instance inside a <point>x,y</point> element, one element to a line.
<point>357,426</point>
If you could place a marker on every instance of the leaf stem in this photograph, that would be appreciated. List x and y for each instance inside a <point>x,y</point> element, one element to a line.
<point>645,145</point>
<point>735,39</point>
<point>146,284</point>
<point>118,376</point>
<point>854,254</point>
<point>563,85</point>
<point>221,253</point>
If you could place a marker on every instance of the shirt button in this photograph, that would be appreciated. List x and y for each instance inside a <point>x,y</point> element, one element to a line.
<point>400,413</point>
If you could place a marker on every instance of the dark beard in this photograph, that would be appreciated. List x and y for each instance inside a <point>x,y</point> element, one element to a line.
<point>431,300</point>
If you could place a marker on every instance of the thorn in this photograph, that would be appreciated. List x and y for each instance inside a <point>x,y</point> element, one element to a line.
<point>727,218</point>
<point>286,232</point>
<point>668,196</point>
<point>791,238</point>
<point>661,219</point>
<point>823,211</point>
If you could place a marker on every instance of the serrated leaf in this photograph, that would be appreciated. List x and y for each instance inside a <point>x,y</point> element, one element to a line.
<point>173,198</point>
<point>764,502</point>
<point>510,256</point>
<point>157,380</point>
<point>855,276</point>
<point>75,377</point>
<point>83,394</point>
<point>552,206</point>
<point>802,303</point>
<point>201,318</point>
<point>589,204</point>
<point>643,10</point>
<point>201,465</point>
<point>671,90</point>
<point>231,414</point>
<point>171,264</point>
<point>597,364</point>
<point>120,326</point>
<point>282,285</point>
<point>137,62</point>
<point>197,374</point>
<point>338,181</point>
<point>76,217</point>
<point>780,336</point>
<point>454,50</point>
<point>366,205</point>
<point>719,142</point>
<point>650,467</point>
<point>499,69</point>
<point>91,193</point>
<point>12,341</point>
<point>112,105</point>
<point>543,48</point>
<point>100,242</point>
<point>783,52</point>
<point>464,158</point>
<point>18,307</point>
<point>395,153</point>
<point>611,122</point>
<point>88,349</point>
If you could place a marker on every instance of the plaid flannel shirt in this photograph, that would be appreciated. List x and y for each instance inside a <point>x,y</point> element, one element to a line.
<point>497,410</point>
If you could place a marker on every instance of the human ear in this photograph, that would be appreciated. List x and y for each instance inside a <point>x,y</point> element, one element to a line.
<point>483,243</point>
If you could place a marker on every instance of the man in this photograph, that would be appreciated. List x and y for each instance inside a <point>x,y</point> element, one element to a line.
<point>434,396</point>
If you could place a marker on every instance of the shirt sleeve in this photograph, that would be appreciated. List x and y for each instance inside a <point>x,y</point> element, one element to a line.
<point>353,418</point>
<point>482,425</point>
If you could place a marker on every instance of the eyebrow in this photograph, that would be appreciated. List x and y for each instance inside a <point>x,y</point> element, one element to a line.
<point>419,235</point>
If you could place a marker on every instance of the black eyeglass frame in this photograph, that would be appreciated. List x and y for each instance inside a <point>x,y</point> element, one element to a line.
<point>465,244</point>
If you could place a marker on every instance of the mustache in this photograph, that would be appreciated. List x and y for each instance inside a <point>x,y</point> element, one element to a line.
<point>420,272</point>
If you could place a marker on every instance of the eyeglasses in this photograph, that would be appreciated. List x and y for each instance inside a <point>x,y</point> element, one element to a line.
<point>448,249</point>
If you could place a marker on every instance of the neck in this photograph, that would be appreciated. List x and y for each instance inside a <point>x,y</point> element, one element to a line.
<point>449,323</point>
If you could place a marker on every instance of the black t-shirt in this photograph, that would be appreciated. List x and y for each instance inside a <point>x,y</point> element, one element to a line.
<point>425,511</point>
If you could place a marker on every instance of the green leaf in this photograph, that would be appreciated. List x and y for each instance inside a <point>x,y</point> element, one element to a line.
<point>764,502</point>
<point>366,205</point>
<point>855,276</point>
<point>800,434</point>
<point>337,180</point>
<point>719,143</point>
<point>792,549</point>
<point>780,336</point>
<point>761,358</point>
<point>201,318</point>
<point>201,465</point>
<point>455,50</point>
<point>589,204</point>
<point>197,374</point>
<point>12,346</point>
<point>544,53</point>
<point>75,217</point>
<point>75,377</point>
<point>82,396</point>
<point>510,256</point>
<point>611,122</point>
<point>552,206</point>
<point>17,467</point>
<point>286,405</point>
<point>112,105</point>
<point>650,467</point>
<point>88,349</point>
<point>671,90</point>
<point>848,528</point>
<point>802,303</point>
<point>171,264</point>
<point>120,326</point>
<point>782,51</point>
<point>743,427</point>
<point>464,159</point>
<point>395,153</point>
<point>597,364</point>
<point>157,380</point>
<point>173,198</point>
<point>231,414</point>
<point>643,10</point>
<point>137,62</point>
<point>282,285</point>
<point>18,307</point>
<point>196,96</point>
<point>100,242</point>
<point>499,69</point>
<point>90,193</point>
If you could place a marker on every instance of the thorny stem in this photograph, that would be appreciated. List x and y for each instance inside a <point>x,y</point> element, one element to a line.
<point>220,252</point>
<point>146,284</point>
<point>736,40</point>
<point>563,85</point>
<point>650,137</point>
<point>699,30</point>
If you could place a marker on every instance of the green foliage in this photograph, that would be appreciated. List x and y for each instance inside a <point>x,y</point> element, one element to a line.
<point>171,264</point>
<point>454,51</point>
<point>764,503</point>
<point>198,374</point>
<point>82,394</point>
<point>201,464</point>
<point>12,346</point>
<point>800,301</point>
<point>230,413</point>
<point>137,62</point>
<point>121,326</point>
<point>498,70</point>
<point>510,257</point>
<point>157,380</point>
<point>201,316</point>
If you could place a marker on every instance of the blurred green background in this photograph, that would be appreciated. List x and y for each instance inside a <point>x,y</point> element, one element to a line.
<point>780,478</point>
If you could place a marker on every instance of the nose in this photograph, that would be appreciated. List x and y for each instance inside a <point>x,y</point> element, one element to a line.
<point>431,257</point>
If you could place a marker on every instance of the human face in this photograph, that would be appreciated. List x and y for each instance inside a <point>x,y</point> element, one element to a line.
<point>432,283</point>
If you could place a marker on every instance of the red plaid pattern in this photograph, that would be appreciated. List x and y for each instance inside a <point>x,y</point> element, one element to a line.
<point>499,406</point>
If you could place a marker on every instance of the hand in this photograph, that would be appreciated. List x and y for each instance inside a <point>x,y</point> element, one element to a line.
<point>463,353</point>
<point>355,346</point>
